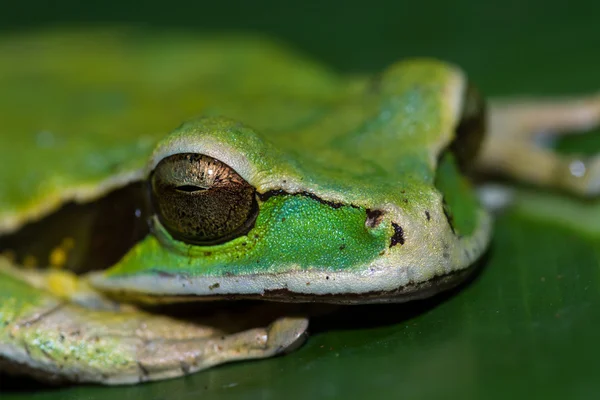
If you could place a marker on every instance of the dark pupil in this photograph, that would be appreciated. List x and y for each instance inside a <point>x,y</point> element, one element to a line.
<point>189,188</point>
<point>201,200</point>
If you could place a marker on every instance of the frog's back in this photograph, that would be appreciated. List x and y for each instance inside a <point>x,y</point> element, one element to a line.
<point>81,108</point>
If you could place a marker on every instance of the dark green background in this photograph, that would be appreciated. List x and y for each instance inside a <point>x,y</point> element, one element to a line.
<point>528,326</point>
<point>506,46</point>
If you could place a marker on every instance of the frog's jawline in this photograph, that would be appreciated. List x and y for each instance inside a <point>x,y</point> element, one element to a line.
<point>410,292</point>
<point>402,294</point>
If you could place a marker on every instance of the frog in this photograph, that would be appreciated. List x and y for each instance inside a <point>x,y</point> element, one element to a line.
<point>160,169</point>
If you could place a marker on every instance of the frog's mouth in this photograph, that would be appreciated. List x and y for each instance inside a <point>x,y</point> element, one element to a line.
<point>82,237</point>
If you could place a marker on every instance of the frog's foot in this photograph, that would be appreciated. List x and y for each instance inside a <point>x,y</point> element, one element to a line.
<point>159,357</point>
<point>51,339</point>
<point>62,342</point>
<point>516,133</point>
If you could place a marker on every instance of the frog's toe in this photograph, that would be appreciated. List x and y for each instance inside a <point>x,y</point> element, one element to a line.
<point>287,334</point>
<point>517,136</point>
<point>160,359</point>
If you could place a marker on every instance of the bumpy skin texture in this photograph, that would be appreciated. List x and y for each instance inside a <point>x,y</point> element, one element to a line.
<point>364,150</point>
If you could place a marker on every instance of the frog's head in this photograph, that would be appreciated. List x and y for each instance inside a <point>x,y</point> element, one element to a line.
<point>360,207</point>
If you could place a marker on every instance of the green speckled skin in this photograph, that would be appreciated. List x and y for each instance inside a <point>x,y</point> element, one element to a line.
<point>102,104</point>
<point>272,246</point>
<point>372,146</point>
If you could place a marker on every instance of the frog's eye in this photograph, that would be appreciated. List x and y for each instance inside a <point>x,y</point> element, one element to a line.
<point>470,129</point>
<point>201,200</point>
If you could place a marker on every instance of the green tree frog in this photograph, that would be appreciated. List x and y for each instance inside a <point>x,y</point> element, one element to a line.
<point>279,180</point>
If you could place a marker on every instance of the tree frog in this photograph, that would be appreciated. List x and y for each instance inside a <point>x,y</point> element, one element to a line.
<point>280,180</point>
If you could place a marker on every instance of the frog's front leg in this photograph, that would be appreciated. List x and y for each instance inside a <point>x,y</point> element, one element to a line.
<point>52,339</point>
<point>515,137</point>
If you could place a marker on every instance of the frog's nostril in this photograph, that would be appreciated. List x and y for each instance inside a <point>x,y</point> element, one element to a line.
<point>374,218</point>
